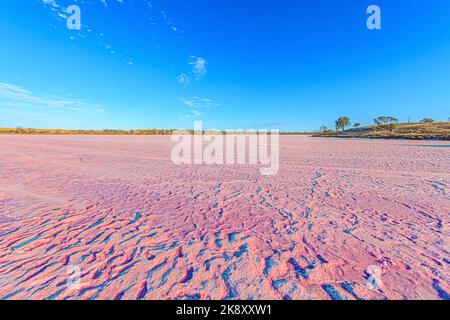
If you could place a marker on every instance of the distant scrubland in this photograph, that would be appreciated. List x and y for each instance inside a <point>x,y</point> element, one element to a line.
<point>20,130</point>
<point>384,128</point>
<point>389,128</point>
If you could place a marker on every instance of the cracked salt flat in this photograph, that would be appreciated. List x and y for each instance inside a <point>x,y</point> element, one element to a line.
<point>139,227</point>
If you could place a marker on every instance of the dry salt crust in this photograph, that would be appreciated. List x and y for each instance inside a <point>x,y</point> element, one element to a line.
<point>138,227</point>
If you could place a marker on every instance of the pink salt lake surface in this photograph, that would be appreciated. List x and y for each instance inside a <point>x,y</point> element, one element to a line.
<point>136,226</point>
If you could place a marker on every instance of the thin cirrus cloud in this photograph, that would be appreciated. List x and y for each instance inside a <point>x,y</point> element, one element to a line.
<point>199,103</point>
<point>60,12</point>
<point>184,80</point>
<point>198,70</point>
<point>195,107</point>
<point>199,66</point>
<point>17,99</point>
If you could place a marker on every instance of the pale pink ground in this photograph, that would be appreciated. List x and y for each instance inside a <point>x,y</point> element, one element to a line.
<point>336,208</point>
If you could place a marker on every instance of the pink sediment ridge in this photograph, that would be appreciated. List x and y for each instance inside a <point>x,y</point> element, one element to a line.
<point>343,219</point>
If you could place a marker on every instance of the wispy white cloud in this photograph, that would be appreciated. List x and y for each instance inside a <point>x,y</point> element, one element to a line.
<point>195,106</point>
<point>59,11</point>
<point>51,3</point>
<point>271,124</point>
<point>199,66</point>
<point>184,80</point>
<point>158,18</point>
<point>54,4</point>
<point>199,103</point>
<point>17,98</point>
<point>169,22</point>
<point>105,2</point>
<point>198,69</point>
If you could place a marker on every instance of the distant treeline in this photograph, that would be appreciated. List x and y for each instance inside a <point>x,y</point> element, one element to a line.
<point>389,128</point>
<point>20,130</point>
<point>150,132</point>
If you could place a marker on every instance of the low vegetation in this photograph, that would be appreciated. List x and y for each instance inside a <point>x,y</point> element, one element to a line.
<point>20,130</point>
<point>389,128</point>
<point>383,128</point>
<point>149,132</point>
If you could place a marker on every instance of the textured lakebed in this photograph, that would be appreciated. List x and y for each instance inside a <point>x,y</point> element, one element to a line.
<point>117,212</point>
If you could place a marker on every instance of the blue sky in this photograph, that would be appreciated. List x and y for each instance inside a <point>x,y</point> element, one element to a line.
<point>290,65</point>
